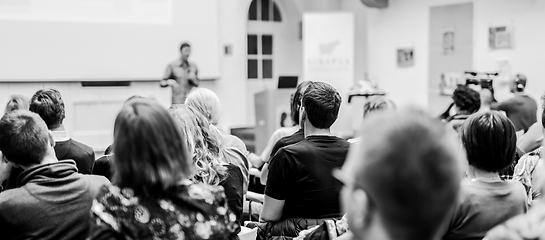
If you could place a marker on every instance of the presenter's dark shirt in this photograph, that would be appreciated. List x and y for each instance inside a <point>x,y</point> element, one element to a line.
<point>521,109</point>
<point>186,74</point>
<point>300,174</point>
<point>288,140</point>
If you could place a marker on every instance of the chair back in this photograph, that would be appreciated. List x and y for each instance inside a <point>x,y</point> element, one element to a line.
<point>247,233</point>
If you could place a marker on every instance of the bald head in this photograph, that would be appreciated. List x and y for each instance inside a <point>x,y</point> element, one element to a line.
<point>410,170</point>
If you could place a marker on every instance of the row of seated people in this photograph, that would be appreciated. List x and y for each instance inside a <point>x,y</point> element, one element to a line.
<point>401,179</point>
<point>148,167</point>
<point>487,199</point>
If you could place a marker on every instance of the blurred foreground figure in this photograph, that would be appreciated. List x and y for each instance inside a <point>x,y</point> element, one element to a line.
<point>51,199</point>
<point>402,181</point>
<point>486,200</point>
<point>153,197</point>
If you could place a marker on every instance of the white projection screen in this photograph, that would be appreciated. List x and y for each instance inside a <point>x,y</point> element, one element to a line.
<point>72,40</point>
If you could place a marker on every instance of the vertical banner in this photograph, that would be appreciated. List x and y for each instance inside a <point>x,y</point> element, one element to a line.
<point>328,55</point>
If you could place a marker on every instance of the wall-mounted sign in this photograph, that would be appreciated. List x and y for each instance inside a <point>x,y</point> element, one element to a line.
<point>405,57</point>
<point>328,49</point>
<point>500,37</point>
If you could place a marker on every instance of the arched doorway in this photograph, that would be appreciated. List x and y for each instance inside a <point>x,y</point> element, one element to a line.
<point>273,46</point>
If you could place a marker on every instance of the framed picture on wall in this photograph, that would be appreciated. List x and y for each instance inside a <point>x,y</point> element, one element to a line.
<point>500,37</point>
<point>405,57</point>
<point>449,41</point>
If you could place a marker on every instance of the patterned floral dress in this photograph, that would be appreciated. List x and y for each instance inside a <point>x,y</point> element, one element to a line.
<point>194,211</point>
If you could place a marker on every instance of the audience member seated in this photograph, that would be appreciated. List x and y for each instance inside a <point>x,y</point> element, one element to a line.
<point>16,102</point>
<point>103,165</point>
<point>50,106</point>
<point>486,200</point>
<point>300,191</point>
<point>531,140</point>
<point>466,102</point>
<point>404,181</point>
<point>208,104</point>
<point>152,197</point>
<point>529,169</point>
<point>258,161</point>
<point>522,108</point>
<point>529,225</point>
<point>372,105</point>
<point>296,137</point>
<point>211,168</point>
<point>51,199</point>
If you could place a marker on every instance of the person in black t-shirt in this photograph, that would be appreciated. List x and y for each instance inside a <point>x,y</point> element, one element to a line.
<point>300,183</point>
<point>291,139</point>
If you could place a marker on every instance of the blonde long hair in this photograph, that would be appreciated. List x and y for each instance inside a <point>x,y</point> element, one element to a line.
<point>201,143</point>
<point>16,102</point>
<point>206,102</point>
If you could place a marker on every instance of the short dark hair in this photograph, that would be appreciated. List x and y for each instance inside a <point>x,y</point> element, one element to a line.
<point>467,99</point>
<point>490,141</point>
<point>24,138</point>
<point>410,170</point>
<point>296,101</point>
<point>184,45</point>
<point>322,103</point>
<point>49,105</point>
<point>150,154</point>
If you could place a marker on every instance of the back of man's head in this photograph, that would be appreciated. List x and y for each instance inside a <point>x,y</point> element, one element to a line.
<point>519,82</point>
<point>50,106</point>
<point>24,138</point>
<point>410,171</point>
<point>321,102</point>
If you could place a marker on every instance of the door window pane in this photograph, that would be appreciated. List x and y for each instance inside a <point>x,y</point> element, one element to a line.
<point>252,68</point>
<point>276,13</point>
<point>267,68</point>
<point>253,10</point>
<point>252,44</point>
<point>267,44</point>
<point>265,10</point>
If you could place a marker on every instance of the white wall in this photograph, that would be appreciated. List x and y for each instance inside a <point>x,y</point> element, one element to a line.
<point>403,23</point>
<point>231,86</point>
<point>406,23</point>
<point>527,57</point>
<point>70,49</point>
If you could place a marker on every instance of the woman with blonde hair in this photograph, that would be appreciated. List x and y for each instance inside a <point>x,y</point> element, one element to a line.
<point>152,197</point>
<point>208,104</point>
<point>208,156</point>
<point>16,102</point>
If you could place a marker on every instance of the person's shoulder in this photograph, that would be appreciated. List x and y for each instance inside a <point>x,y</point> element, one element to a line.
<point>11,198</point>
<point>96,182</point>
<point>234,141</point>
<point>213,195</point>
<point>175,63</point>
<point>83,149</point>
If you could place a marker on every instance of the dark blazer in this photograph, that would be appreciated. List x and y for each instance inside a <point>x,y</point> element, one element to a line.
<point>79,152</point>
